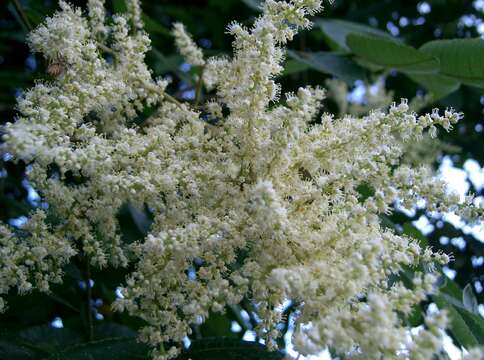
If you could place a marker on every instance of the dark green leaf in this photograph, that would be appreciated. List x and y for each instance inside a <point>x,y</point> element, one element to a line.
<point>154,27</point>
<point>36,342</point>
<point>108,329</point>
<point>365,191</point>
<point>228,349</point>
<point>416,317</point>
<point>217,325</point>
<point>294,67</point>
<point>13,10</point>
<point>119,6</point>
<point>115,348</point>
<point>134,223</point>
<point>253,4</point>
<point>391,54</point>
<point>171,63</point>
<point>330,63</point>
<point>141,219</point>
<point>12,350</point>
<point>48,338</point>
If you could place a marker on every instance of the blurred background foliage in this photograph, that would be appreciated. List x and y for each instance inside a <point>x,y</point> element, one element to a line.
<point>360,42</point>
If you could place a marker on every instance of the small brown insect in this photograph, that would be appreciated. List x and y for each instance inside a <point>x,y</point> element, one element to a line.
<point>56,67</point>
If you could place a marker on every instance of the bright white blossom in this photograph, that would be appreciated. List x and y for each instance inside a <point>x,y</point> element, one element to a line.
<point>262,204</point>
<point>97,15</point>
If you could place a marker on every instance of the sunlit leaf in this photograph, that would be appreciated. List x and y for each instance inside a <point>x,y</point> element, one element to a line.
<point>391,54</point>
<point>469,299</point>
<point>459,58</point>
<point>337,30</point>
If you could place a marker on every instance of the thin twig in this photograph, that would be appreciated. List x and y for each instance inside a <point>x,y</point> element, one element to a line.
<point>22,13</point>
<point>106,49</point>
<point>198,90</point>
<point>172,99</point>
<point>89,301</point>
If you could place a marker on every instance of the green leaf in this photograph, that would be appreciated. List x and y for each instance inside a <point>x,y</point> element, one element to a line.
<point>452,289</point>
<point>415,318</point>
<point>365,191</point>
<point>141,219</point>
<point>48,338</point>
<point>459,58</point>
<point>36,342</point>
<point>391,54</point>
<point>217,325</point>
<point>119,6</point>
<point>228,349</point>
<point>115,348</point>
<point>294,67</point>
<point>337,30</point>
<point>439,85</point>
<point>12,350</point>
<point>330,63</point>
<point>412,231</point>
<point>234,312</point>
<point>10,35</point>
<point>108,329</point>
<point>450,297</point>
<point>18,17</point>
<point>474,322</point>
<point>154,27</point>
<point>169,63</point>
<point>134,223</point>
<point>457,326</point>
<point>35,17</point>
<point>253,4</point>
<point>469,300</point>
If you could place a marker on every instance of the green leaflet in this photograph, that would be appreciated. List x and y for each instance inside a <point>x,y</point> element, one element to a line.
<point>391,54</point>
<point>462,59</point>
<point>115,348</point>
<point>465,332</point>
<point>330,63</point>
<point>439,85</point>
<point>228,349</point>
<point>337,31</point>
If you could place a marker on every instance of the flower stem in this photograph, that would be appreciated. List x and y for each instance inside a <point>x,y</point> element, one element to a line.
<point>89,301</point>
<point>198,91</point>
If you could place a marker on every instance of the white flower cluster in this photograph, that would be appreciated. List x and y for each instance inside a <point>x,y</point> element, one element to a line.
<point>186,46</point>
<point>263,205</point>
<point>34,257</point>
